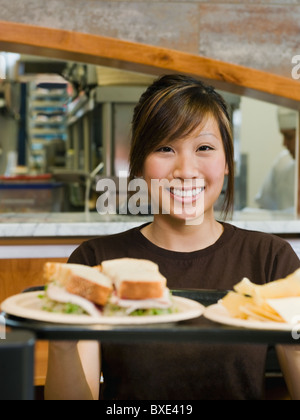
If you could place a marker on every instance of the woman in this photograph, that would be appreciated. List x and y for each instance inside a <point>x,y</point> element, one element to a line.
<point>181,134</point>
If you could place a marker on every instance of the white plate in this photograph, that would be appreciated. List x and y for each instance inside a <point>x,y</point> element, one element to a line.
<point>29,306</point>
<point>218,313</point>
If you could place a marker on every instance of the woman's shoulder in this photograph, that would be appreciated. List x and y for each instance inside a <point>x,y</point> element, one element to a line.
<point>268,246</point>
<point>255,237</point>
<point>98,249</point>
<point>271,256</point>
<point>116,239</point>
<point>260,244</point>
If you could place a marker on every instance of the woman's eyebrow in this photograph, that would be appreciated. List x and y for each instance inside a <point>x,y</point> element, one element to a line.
<point>207,133</point>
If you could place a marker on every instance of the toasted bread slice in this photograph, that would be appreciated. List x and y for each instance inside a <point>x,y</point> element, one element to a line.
<point>140,289</point>
<point>117,266</point>
<point>135,278</point>
<point>81,280</point>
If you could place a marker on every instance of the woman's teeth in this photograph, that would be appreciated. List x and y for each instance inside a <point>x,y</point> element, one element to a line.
<point>187,193</point>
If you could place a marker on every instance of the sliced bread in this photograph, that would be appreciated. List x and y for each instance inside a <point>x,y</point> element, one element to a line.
<point>81,280</point>
<point>135,278</point>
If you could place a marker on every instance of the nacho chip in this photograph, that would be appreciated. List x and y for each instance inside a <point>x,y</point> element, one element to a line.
<point>263,313</point>
<point>288,287</point>
<point>258,302</point>
<point>233,302</point>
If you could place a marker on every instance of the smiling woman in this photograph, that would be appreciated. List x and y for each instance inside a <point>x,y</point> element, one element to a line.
<point>181,134</point>
<point>180,131</point>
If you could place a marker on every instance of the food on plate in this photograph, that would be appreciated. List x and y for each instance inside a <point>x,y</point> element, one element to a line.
<point>278,301</point>
<point>80,280</point>
<point>57,299</point>
<point>124,286</point>
<point>135,279</point>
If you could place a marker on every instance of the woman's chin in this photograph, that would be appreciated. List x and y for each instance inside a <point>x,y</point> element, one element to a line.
<point>186,218</point>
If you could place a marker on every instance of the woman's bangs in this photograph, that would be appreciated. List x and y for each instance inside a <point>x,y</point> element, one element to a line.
<point>188,118</point>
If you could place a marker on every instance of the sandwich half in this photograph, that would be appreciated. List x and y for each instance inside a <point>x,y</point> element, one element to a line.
<point>135,279</point>
<point>139,286</point>
<point>80,280</point>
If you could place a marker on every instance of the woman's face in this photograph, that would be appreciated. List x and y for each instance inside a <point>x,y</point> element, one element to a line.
<point>191,172</point>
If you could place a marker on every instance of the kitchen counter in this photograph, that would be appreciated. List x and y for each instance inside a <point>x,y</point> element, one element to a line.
<point>28,236</point>
<point>53,225</point>
<point>79,226</point>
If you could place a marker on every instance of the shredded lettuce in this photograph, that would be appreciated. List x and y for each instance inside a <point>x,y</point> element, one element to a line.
<point>152,311</point>
<point>114,310</point>
<point>109,310</point>
<point>62,308</point>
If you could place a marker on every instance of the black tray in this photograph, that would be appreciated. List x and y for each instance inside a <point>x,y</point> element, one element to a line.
<point>199,329</point>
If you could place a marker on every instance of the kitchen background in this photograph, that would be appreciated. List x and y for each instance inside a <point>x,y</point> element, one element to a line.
<point>59,121</point>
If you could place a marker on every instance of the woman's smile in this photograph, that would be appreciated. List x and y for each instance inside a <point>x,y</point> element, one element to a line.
<point>186,195</point>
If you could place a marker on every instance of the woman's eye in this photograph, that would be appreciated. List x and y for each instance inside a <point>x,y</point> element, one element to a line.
<point>205,148</point>
<point>165,149</point>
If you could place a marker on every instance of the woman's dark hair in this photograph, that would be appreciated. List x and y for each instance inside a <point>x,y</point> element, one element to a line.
<point>173,107</point>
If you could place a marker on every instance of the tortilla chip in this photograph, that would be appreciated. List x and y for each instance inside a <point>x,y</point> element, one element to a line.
<point>245,287</point>
<point>288,287</point>
<point>258,302</point>
<point>263,313</point>
<point>233,302</point>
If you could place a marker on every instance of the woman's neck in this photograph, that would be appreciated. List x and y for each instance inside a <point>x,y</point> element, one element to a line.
<point>180,237</point>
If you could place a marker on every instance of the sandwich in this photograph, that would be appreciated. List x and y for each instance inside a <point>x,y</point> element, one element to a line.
<point>123,286</point>
<point>80,287</point>
<point>138,286</point>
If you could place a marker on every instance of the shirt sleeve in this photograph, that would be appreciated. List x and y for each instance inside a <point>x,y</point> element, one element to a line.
<point>286,262</point>
<point>84,255</point>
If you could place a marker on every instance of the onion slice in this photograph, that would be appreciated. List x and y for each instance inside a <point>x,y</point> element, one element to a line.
<point>59,294</point>
<point>132,305</point>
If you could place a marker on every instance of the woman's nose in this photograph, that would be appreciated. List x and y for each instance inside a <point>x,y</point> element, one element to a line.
<point>185,168</point>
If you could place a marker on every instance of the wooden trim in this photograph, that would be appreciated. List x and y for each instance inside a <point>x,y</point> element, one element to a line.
<point>42,241</point>
<point>69,45</point>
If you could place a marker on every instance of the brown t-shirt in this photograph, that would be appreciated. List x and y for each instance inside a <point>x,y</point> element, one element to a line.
<point>178,371</point>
